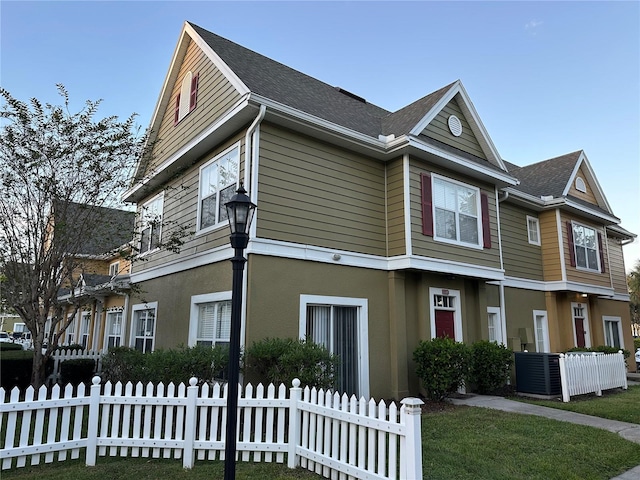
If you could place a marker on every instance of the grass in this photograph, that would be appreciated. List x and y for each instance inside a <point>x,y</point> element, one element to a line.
<point>458,443</point>
<point>615,404</point>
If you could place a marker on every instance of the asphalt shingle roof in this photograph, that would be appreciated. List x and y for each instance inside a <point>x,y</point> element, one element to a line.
<point>276,81</point>
<point>549,177</point>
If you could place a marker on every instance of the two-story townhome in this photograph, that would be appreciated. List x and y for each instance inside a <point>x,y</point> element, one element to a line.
<point>565,283</point>
<point>374,229</point>
<point>97,302</point>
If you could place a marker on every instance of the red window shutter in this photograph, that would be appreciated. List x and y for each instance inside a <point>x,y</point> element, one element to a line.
<point>572,251</point>
<point>601,251</point>
<point>486,226</point>
<point>194,92</point>
<point>427,212</point>
<point>176,113</point>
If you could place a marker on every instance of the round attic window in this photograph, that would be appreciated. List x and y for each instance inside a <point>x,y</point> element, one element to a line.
<point>455,125</point>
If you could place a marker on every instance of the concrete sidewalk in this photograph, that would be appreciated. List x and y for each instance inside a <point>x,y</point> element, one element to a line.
<point>628,431</point>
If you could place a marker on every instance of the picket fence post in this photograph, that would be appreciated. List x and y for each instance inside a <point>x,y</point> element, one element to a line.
<point>564,382</point>
<point>295,394</point>
<point>92,429</point>
<point>190,417</point>
<point>410,417</point>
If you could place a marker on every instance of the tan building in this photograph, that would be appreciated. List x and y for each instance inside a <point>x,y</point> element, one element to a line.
<point>374,229</point>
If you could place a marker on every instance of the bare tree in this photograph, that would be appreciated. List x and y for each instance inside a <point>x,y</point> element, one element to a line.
<point>51,161</point>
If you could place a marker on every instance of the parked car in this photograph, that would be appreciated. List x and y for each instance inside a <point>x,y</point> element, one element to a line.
<point>638,358</point>
<point>4,337</point>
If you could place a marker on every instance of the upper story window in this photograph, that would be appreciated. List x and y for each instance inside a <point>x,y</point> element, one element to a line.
<point>456,212</point>
<point>186,100</point>
<point>218,179</point>
<point>580,185</point>
<point>533,230</point>
<point>114,269</point>
<point>585,244</point>
<point>151,224</point>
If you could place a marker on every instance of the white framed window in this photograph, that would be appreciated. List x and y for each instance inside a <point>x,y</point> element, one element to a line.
<point>85,324</point>
<point>341,325</point>
<point>580,185</point>
<point>585,245</point>
<point>151,224</point>
<point>210,319</point>
<point>456,212</point>
<point>533,230</point>
<point>70,332</point>
<point>446,313</point>
<point>541,331</point>
<point>613,331</point>
<point>218,179</point>
<point>144,326</point>
<point>494,324</point>
<point>580,320</point>
<point>114,269</point>
<point>114,329</point>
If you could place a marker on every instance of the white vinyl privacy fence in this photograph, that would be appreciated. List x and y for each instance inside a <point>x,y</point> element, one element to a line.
<point>315,429</point>
<point>591,372</point>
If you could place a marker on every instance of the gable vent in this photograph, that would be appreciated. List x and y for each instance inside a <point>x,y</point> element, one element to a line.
<point>455,125</point>
<point>349,94</point>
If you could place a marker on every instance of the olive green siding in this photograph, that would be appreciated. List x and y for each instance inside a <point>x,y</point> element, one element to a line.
<point>396,208</point>
<point>180,208</point>
<point>215,97</point>
<point>551,249</point>
<point>313,193</point>
<point>583,276</point>
<point>521,259</point>
<point>428,247</point>
<point>519,306</point>
<point>438,129</point>
<point>616,266</point>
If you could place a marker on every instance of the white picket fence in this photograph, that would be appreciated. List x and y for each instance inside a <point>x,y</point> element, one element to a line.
<point>315,429</point>
<point>60,356</point>
<point>591,373</point>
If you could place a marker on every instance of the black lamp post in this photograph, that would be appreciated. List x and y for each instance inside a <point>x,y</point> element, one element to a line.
<point>240,211</point>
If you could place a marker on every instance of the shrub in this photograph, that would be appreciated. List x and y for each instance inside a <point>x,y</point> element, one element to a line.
<point>76,371</point>
<point>442,364</point>
<point>7,347</point>
<point>280,360</point>
<point>16,366</point>
<point>123,364</point>
<point>600,348</point>
<point>490,366</point>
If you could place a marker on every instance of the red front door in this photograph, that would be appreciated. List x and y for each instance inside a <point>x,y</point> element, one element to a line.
<point>444,324</point>
<point>580,333</point>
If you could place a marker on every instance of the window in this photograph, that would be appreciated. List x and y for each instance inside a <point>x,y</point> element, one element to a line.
<point>613,331</point>
<point>114,329</point>
<point>340,324</point>
<point>541,331</point>
<point>84,329</point>
<point>218,180</point>
<point>144,324</point>
<point>187,98</point>
<point>114,269</point>
<point>210,319</point>
<point>457,212</point>
<point>533,229</point>
<point>494,324</point>
<point>580,325</point>
<point>584,246</point>
<point>151,224</point>
<point>580,185</point>
<point>71,331</point>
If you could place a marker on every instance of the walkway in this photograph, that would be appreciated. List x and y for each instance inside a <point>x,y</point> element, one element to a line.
<point>628,431</point>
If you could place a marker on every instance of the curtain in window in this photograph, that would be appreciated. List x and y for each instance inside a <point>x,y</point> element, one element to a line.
<point>346,347</point>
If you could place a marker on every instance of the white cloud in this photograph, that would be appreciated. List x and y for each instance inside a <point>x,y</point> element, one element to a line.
<point>532,25</point>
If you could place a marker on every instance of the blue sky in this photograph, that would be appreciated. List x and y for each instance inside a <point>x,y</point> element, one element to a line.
<point>547,78</point>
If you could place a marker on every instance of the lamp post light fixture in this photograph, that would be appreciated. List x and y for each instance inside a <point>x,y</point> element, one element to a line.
<point>240,212</point>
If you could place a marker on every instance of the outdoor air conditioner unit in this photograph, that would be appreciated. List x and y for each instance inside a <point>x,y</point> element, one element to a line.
<point>538,373</point>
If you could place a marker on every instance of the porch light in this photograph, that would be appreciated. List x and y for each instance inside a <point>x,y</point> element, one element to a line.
<point>240,213</point>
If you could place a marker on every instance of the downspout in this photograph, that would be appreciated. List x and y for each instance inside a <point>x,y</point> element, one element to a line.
<point>250,173</point>
<point>503,309</point>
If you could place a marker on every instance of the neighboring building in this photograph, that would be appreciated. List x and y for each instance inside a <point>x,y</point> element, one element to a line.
<point>374,229</point>
<point>101,279</point>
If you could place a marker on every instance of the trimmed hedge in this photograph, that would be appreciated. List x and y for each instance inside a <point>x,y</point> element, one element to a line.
<point>442,365</point>
<point>490,366</point>
<point>76,371</point>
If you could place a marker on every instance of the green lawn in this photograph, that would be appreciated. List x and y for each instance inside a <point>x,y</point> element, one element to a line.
<point>615,404</point>
<point>458,443</point>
